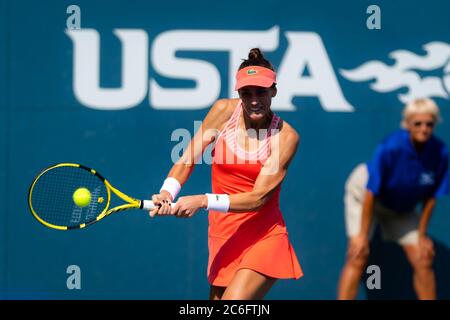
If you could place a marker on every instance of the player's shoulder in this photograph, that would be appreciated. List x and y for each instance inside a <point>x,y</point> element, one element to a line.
<point>225,106</point>
<point>220,112</point>
<point>288,133</point>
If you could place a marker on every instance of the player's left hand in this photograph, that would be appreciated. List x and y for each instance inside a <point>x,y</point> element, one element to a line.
<point>426,247</point>
<point>187,206</point>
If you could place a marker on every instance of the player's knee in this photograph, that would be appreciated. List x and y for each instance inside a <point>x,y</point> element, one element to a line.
<point>235,295</point>
<point>422,264</point>
<point>358,262</point>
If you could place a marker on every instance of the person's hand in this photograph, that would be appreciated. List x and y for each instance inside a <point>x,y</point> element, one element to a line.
<point>162,202</point>
<point>426,248</point>
<point>358,247</point>
<point>186,207</point>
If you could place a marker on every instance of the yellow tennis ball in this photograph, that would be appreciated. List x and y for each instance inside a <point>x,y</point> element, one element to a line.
<point>82,197</point>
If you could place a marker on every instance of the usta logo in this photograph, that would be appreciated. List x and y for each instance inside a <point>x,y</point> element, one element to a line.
<point>305,49</point>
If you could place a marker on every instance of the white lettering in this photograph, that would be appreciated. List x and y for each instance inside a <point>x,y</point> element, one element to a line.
<point>306,50</point>
<point>86,70</point>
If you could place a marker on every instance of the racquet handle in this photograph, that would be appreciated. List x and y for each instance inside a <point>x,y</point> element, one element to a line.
<point>148,204</point>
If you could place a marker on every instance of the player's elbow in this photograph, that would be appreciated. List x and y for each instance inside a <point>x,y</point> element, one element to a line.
<point>258,201</point>
<point>294,138</point>
<point>186,161</point>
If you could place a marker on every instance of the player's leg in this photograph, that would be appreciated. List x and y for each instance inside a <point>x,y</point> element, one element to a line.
<point>403,229</point>
<point>248,284</point>
<point>423,274</point>
<point>215,292</point>
<point>355,188</point>
<point>351,276</point>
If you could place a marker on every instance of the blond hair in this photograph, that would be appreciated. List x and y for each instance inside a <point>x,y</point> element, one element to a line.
<point>420,106</point>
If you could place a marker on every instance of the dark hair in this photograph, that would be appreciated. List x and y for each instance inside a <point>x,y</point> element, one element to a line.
<point>256,58</point>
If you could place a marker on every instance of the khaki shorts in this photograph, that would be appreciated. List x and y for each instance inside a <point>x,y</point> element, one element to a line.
<point>400,228</point>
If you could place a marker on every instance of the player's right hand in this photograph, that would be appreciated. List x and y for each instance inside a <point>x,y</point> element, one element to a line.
<point>162,202</point>
<point>358,247</point>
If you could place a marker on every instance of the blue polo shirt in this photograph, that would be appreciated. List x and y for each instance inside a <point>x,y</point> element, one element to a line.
<point>401,177</point>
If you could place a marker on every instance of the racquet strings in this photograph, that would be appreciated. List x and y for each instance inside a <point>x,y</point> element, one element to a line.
<point>52,196</point>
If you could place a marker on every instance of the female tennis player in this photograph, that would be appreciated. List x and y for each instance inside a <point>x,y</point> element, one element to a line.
<point>248,242</point>
<point>409,168</point>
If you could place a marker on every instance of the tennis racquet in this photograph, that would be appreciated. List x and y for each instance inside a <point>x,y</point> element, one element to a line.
<point>52,201</point>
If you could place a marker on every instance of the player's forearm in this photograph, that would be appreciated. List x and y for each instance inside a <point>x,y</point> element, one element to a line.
<point>241,202</point>
<point>367,213</point>
<point>426,216</point>
<point>248,201</point>
<point>184,166</point>
<point>177,176</point>
<point>181,171</point>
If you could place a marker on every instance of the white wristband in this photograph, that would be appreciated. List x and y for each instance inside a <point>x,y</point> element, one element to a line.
<point>172,186</point>
<point>218,202</point>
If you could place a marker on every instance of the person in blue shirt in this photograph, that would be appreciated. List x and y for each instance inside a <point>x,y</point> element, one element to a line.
<point>409,170</point>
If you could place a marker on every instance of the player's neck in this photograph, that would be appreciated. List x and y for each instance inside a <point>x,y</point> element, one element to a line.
<point>263,123</point>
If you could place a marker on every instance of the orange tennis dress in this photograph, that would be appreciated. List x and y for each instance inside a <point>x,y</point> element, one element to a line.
<point>255,240</point>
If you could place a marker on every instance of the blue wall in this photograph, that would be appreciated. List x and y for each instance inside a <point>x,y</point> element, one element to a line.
<point>130,256</point>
